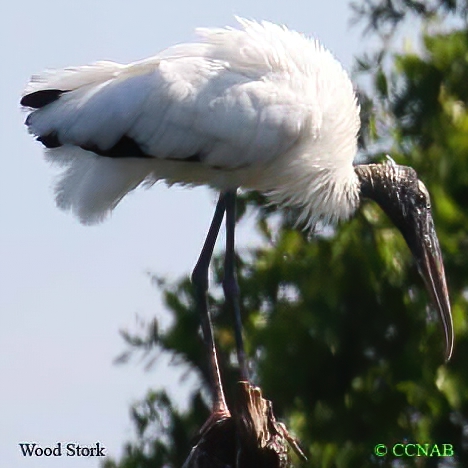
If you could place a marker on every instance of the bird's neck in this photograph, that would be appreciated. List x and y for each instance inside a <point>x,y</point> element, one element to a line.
<point>377,181</point>
<point>390,186</point>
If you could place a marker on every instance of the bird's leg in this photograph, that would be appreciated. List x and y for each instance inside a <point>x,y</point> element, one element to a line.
<point>230,285</point>
<point>200,282</point>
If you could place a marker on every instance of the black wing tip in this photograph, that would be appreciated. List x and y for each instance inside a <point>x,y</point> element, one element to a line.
<point>40,99</point>
<point>126,147</point>
<point>50,140</point>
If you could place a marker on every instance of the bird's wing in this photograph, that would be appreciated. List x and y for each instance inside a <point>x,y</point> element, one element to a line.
<point>235,99</point>
<point>170,107</point>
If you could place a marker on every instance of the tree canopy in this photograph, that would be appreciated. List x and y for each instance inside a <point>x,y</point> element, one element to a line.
<point>338,325</point>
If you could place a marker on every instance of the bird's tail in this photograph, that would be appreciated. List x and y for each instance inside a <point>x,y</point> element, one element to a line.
<point>91,186</point>
<point>65,118</point>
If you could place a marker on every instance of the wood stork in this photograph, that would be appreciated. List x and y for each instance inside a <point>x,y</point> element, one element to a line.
<point>259,107</point>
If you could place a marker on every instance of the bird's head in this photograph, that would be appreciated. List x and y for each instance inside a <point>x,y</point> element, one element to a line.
<point>406,201</point>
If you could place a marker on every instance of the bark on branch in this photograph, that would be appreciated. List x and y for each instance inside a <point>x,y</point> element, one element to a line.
<point>250,438</point>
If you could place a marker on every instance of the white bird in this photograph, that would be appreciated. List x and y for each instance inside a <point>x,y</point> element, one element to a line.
<point>259,107</point>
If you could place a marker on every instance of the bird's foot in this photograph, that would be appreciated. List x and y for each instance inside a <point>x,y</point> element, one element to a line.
<point>219,413</point>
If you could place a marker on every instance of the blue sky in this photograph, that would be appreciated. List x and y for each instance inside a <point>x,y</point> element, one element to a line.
<point>66,290</point>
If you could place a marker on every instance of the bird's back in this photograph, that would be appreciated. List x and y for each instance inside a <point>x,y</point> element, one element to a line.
<point>262,107</point>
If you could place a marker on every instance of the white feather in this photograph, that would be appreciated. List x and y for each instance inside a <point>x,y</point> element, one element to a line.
<point>265,107</point>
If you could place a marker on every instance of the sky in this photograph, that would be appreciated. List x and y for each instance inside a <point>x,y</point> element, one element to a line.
<point>66,289</point>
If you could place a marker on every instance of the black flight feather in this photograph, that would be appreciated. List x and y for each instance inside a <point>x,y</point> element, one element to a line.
<point>40,99</point>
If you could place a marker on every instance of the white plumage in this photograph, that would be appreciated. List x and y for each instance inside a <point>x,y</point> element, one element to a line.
<point>260,107</point>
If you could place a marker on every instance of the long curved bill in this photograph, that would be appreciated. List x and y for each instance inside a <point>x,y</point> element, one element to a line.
<point>406,201</point>
<point>431,267</point>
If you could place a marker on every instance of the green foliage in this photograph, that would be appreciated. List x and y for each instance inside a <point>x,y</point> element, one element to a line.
<point>338,325</point>
<point>384,16</point>
<point>158,424</point>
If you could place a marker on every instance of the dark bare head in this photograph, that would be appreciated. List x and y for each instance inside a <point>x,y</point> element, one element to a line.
<point>406,201</point>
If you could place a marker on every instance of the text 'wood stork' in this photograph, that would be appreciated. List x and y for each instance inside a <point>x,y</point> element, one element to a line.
<point>260,107</point>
